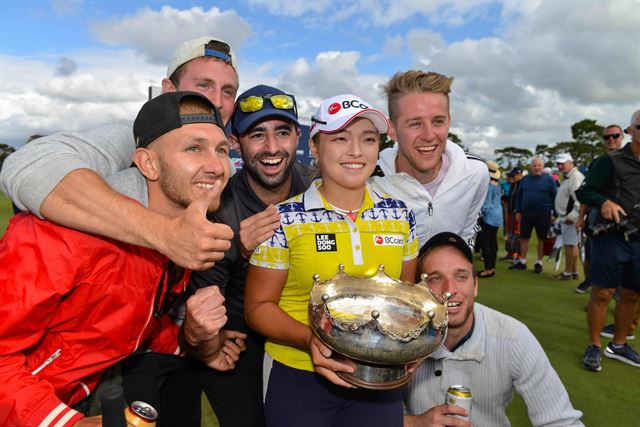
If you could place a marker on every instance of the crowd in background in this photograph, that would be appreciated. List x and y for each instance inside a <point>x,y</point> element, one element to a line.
<point>578,214</point>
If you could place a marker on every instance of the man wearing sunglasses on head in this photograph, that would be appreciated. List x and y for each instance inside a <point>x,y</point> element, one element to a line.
<point>265,131</point>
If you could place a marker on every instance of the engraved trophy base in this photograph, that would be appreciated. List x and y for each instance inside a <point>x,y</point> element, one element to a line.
<point>377,377</point>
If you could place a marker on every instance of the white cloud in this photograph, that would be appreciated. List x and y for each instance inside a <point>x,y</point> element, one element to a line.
<point>331,74</point>
<point>156,34</point>
<point>88,87</point>
<point>437,12</point>
<point>589,56</point>
<point>423,44</point>
<point>291,7</point>
<point>392,48</point>
<point>112,85</point>
<point>377,13</point>
<point>84,89</point>
<point>540,70</point>
<point>547,68</point>
<point>392,45</point>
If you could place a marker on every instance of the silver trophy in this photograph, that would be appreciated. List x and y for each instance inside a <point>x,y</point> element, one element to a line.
<point>380,323</point>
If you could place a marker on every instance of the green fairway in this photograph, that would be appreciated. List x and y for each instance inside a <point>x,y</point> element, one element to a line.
<point>555,314</point>
<point>5,212</point>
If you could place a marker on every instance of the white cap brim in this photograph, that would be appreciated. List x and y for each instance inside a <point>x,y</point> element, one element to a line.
<point>377,118</point>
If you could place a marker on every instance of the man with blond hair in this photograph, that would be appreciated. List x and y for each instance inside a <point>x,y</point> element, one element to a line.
<point>444,186</point>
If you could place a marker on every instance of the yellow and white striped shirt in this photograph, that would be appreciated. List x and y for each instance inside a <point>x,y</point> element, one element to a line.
<point>313,238</point>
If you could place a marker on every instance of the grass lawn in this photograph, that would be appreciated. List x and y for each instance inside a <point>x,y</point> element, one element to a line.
<point>5,212</point>
<point>555,314</point>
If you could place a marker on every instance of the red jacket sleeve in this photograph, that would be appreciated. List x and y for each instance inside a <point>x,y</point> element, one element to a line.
<point>36,270</point>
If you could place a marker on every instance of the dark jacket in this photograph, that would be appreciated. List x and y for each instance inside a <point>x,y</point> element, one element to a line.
<point>536,194</point>
<point>616,177</point>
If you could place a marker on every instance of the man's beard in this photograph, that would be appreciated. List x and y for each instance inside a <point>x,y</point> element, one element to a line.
<point>270,182</point>
<point>170,186</point>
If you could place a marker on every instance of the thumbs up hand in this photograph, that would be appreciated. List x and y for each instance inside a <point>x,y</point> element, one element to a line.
<point>209,200</point>
<point>191,240</point>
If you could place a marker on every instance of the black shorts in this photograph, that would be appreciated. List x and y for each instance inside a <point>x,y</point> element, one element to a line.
<point>587,248</point>
<point>539,221</point>
<point>614,262</point>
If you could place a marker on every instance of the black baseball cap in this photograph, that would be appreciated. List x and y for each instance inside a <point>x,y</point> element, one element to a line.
<point>241,122</point>
<point>447,238</point>
<point>514,171</point>
<point>161,115</point>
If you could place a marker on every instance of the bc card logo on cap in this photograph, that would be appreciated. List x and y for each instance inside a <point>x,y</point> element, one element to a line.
<point>326,243</point>
<point>388,240</point>
<point>354,103</point>
<point>334,108</point>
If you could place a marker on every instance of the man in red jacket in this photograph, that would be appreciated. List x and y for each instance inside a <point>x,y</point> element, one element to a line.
<point>74,304</point>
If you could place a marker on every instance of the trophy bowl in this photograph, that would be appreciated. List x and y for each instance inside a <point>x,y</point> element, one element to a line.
<point>380,323</point>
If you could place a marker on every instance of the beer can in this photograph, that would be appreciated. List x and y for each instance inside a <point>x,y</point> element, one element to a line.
<point>140,414</point>
<point>458,395</point>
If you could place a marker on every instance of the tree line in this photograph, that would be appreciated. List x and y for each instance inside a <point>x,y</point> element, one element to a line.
<point>5,150</point>
<point>586,145</point>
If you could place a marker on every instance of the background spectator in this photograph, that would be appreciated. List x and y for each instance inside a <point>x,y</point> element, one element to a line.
<point>567,207</point>
<point>534,205</point>
<point>613,186</point>
<point>490,220</point>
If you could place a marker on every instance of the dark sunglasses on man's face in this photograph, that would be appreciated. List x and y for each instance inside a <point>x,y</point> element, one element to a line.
<point>611,136</point>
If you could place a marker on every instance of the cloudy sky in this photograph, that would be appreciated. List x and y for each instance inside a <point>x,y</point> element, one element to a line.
<point>525,71</point>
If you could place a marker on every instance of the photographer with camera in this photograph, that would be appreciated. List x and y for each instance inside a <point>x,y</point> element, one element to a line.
<point>612,138</point>
<point>613,186</point>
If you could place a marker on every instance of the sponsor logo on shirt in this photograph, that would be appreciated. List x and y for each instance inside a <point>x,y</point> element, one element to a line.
<point>388,240</point>
<point>326,243</point>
